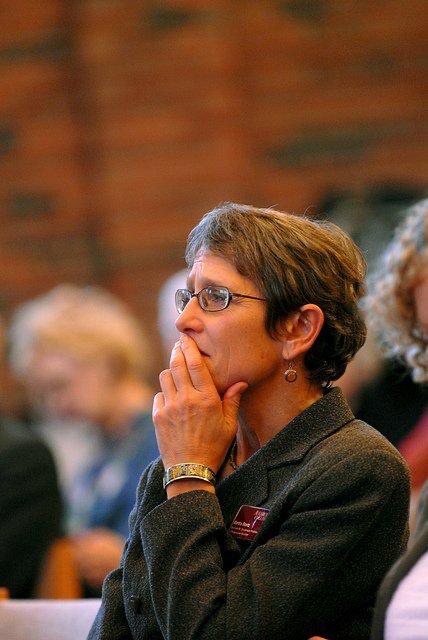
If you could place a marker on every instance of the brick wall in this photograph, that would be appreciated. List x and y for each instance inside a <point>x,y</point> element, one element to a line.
<point>122,121</point>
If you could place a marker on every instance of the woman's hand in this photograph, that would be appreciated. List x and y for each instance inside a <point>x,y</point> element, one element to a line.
<point>193,424</point>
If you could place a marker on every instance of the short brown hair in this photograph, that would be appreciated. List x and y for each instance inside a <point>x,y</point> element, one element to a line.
<point>293,260</point>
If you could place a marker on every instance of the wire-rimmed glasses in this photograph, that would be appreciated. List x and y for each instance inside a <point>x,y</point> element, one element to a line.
<point>210,298</point>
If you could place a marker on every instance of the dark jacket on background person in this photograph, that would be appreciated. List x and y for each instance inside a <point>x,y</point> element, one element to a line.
<point>392,402</point>
<point>30,508</point>
<point>418,546</point>
<point>337,494</point>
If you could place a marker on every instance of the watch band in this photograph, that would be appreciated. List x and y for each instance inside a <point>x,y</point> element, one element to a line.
<point>186,470</point>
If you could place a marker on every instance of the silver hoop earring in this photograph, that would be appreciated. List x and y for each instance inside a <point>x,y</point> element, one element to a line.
<point>291,374</point>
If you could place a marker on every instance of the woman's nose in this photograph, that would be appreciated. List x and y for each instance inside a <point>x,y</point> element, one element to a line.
<point>190,318</point>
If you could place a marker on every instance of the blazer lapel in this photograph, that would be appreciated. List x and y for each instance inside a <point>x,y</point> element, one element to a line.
<point>247,485</point>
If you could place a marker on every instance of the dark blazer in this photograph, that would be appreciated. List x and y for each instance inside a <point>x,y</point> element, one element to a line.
<point>417,547</point>
<point>30,508</point>
<point>337,494</point>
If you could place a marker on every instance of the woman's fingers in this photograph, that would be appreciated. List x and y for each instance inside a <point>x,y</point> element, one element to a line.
<point>198,371</point>
<point>158,402</point>
<point>231,400</point>
<point>178,368</point>
<point>157,409</point>
<point>167,385</point>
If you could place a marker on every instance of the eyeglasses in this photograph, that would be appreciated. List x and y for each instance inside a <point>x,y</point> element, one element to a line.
<point>209,298</point>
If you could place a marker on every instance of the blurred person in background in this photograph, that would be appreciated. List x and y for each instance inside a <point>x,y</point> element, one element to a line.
<point>380,389</point>
<point>30,507</point>
<point>267,514</point>
<point>87,360</point>
<point>398,310</point>
<point>167,312</point>
<point>73,442</point>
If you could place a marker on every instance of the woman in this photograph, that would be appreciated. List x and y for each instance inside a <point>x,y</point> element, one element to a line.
<point>267,514</point>
<point>399,310</point>
<point>84,357</point>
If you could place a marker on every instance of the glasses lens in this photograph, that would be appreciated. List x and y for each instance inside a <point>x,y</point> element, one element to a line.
<point>182,297</point>
<point>214,298</point>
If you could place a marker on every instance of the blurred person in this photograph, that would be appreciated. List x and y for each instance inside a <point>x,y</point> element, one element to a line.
<point>30,507</point>
<point>87,359</point>
<point>167,313</point>
<point>398,308</point>
<point>392,402</point>
<point>379,389</point>
<point>383,393</point>
<point>267,514</point>
<point>74,442</point>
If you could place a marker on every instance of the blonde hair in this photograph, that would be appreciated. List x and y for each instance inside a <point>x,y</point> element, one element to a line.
<point>390,305</point>
<point>87,322</point>
<point>294,260</point>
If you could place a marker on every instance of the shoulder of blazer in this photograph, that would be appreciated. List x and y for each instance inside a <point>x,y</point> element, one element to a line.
<point>329,415</point>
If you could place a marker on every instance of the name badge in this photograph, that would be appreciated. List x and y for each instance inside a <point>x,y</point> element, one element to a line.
<point>248,522</point>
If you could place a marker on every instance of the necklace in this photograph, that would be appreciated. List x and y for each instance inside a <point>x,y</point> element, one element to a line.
<point>232,456</point>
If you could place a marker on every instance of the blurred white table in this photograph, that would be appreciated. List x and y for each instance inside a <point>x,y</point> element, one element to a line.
<point>47,619</point>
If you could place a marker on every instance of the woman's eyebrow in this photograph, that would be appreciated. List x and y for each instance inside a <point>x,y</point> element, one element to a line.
<point>205,282</point>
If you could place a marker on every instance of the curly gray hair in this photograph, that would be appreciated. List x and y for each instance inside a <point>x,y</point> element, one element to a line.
<point>390,305</point>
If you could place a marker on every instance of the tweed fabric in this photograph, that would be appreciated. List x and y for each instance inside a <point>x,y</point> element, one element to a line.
<point>337,494</point>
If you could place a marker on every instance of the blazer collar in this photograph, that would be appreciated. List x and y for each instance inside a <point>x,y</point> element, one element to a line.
<point>323,417</point>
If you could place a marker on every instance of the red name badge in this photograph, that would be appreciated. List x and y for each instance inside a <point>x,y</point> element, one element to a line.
<point>247,522</point>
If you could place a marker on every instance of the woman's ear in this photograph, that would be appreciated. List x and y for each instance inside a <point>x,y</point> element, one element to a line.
<point>299,330</point>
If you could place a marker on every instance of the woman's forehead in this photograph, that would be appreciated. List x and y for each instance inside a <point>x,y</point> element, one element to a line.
<point>213,269</point>
<point>208,264</point>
